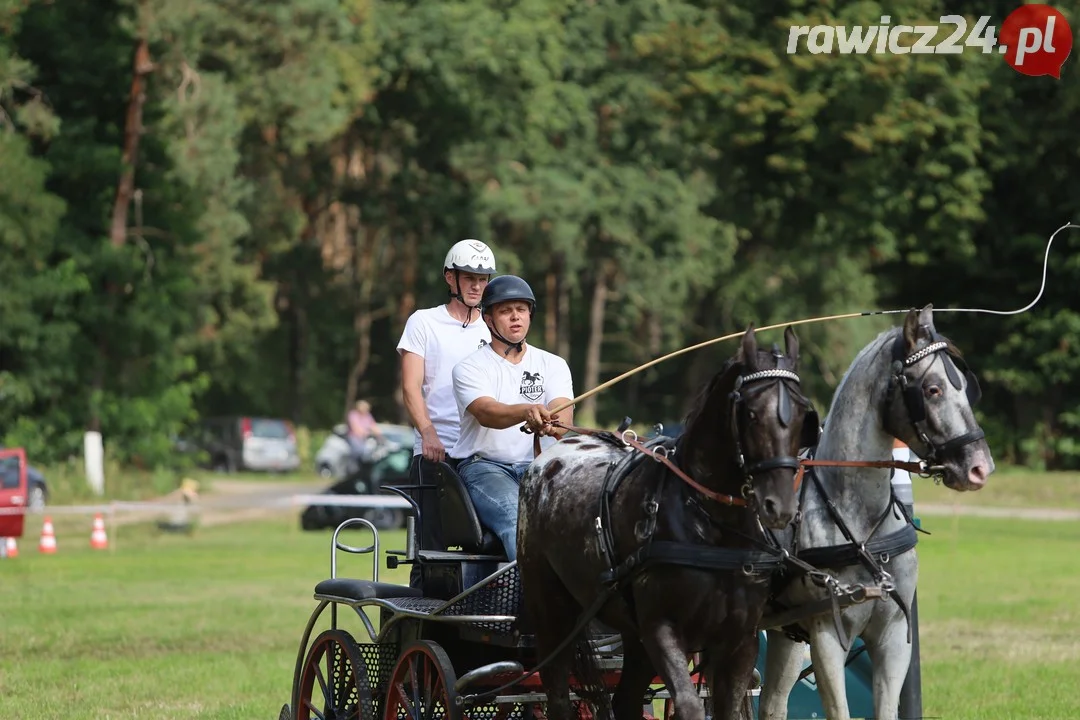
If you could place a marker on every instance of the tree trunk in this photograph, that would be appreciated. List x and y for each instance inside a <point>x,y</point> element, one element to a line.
<point>562,329</point>
<point>132,130</point>
<point>655,335</point>
<point>363,316</point>
<point>97,384</point>
<point>551,308</point>
<point>406,305</point>
<point>596,340</point>
<point>299,350</point>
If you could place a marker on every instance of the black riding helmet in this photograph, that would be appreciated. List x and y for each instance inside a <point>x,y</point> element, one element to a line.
<point>504,289</point>
<point>507,287</point>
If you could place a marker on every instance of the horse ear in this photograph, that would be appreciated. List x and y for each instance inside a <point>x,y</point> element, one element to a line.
<point>749,345</point>
<point>791,342</point>
<point>926,321</point>
<point>919,328</point>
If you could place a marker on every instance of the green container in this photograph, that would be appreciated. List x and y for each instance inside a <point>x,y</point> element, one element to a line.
<point>804,703</point>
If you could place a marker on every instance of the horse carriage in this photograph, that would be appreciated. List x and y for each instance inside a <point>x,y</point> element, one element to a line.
<point>631,587</point>
<point>443,650</point>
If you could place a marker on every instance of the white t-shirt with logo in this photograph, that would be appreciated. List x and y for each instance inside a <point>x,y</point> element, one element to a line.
<point>435,335</point>
<point>540,377</point>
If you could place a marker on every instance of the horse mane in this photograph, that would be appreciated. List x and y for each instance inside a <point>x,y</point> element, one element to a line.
<point>869,354</point>
<point>705,393</point>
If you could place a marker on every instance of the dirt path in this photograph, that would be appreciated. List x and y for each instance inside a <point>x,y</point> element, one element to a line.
<point>239,500</point>
<point>998,512</point>
<point>225,501</point>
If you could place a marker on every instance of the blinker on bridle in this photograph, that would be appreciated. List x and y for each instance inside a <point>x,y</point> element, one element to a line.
<point>810,423</point>
<point>915,403</point>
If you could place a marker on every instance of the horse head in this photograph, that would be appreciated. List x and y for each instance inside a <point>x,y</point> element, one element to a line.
<point>928,404</point>
<point>755,409</point>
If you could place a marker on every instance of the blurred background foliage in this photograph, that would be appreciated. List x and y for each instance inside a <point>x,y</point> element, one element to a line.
<point>231,207</point>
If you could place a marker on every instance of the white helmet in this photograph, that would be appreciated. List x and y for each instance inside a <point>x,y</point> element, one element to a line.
<point>470,256</point>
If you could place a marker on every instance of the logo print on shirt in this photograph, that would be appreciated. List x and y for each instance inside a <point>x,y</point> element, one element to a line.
<point>532,385</point>
<point>482,344</point>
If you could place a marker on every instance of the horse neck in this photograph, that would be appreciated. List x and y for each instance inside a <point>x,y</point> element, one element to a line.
<point>853,431</point>
<point>707,454</point>
<point>708,450</point>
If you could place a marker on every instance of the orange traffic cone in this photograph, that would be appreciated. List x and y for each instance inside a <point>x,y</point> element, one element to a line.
<point>47,544</point>
<point>98,539</point>
<point>12,548</point>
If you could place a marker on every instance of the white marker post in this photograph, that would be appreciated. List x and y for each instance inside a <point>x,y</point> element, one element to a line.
<point>94,459</point>
<point>911,692</point>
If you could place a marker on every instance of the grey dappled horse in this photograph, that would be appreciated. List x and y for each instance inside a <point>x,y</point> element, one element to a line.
<point>906,384</point>
<point>690,575</point>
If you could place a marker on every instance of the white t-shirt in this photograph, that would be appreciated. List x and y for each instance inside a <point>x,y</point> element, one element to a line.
<point>540,377</point>
<point>435,335</point>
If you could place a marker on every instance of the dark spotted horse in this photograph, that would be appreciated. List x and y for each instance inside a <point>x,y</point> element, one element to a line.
<point>671,553</point>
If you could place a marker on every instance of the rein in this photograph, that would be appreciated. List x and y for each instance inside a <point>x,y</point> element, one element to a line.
<point>919,468</point>
<point>630,438</point>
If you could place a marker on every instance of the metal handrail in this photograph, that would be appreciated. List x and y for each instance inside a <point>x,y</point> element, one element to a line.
<point>373,548</point>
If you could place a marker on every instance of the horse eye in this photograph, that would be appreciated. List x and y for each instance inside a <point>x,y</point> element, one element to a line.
<point>933,390</point>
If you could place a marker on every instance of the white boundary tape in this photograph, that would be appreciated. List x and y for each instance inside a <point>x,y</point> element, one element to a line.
<point>368,501</point>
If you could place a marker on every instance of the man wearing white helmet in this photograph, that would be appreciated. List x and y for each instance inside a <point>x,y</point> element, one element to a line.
<point>433,342</point>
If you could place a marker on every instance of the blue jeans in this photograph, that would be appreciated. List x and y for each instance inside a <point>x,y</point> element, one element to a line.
<point>493,489</point>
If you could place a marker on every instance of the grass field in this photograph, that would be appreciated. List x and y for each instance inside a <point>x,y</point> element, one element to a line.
<point>1008,487</point>
<point>207,626</point>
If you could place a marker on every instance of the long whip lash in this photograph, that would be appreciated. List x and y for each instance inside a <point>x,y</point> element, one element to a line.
<point>807,321</point>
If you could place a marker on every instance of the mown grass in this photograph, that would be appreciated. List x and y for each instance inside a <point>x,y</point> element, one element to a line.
<point>1008,487</point>
<point>163,626</point>
<point>999,622</point>
<point>207,626</point>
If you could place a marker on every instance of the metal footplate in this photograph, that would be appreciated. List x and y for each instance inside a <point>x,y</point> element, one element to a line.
<point>845,597</point>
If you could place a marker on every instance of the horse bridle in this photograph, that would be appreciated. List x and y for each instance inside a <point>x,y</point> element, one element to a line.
<point>810,429</point>
<point>915,403</point>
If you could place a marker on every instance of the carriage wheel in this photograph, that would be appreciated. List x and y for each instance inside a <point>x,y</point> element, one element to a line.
<point>422,685</point>
<point>334,683</point>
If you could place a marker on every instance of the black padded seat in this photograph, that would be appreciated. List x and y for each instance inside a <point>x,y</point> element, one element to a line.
<point>353,589</point>
<point>460,525</point>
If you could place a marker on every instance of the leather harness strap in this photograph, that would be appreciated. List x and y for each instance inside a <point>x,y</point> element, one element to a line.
<point>915,467</point>
<point>659,457</point>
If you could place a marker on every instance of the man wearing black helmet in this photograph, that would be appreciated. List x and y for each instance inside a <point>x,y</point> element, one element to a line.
<point>498,388</point>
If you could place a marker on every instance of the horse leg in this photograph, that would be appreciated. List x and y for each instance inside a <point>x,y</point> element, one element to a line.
<point>553,613</point>
<point>671,661</point>
<point>783,663</point>
<point>635,678</point>
<point>829,658</point>
<point>890,656</point>
<point>731,666</point>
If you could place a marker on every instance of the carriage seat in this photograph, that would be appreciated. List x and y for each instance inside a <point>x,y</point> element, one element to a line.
<point>460,525</point>
<point>354,590</point>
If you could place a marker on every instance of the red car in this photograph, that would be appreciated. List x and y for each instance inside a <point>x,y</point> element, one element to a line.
<point>13,492</point>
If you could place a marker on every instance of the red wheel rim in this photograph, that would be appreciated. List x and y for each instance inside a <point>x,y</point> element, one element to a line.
<point>334,683</point>
<point>422,685</point>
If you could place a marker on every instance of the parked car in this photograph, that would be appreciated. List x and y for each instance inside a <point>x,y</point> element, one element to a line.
<point>388,464</point>
<point>37,490</point>
<point>333,458</point>
<point>249,443</point>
